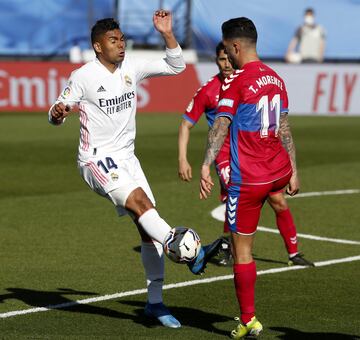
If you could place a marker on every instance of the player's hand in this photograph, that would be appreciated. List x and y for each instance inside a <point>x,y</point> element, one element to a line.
<point>206,182</point>
<point>59,112</point>
<point>185,171</point>
<point>294,185</point>
<point>163,21</point>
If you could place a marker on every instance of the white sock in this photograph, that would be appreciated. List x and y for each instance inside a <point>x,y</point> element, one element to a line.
<point>154,225</point>
<point>153,260</point>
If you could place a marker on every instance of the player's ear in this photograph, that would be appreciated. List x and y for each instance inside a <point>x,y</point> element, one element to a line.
<point>97,47</point>
<point>236,47</point>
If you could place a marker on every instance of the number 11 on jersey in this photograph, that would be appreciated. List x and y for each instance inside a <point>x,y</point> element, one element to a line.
<point>266,109</point>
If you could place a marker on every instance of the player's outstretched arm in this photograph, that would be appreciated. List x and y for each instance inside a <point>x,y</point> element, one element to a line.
<point>162,20</point>
<point>216,138</point>
<point>185,170</point>
<point>58,112</point>
<point>289,145</point>
<point>174,62</point>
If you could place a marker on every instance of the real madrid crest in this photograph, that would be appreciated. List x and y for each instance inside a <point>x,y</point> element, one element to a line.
<point>114,176</point>
<point>128,80</point>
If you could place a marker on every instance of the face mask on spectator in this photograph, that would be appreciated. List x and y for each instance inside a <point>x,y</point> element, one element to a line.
<point>309,20</point>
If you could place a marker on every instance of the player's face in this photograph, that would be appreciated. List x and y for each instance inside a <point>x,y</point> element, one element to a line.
<point>111,47</point>
<point>231,53</point>
<point>223,63</point>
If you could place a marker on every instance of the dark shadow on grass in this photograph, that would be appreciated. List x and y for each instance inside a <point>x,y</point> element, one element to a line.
<point>294,334</point>
<point>261,259</point>
<point>190,317</point>
<point>58,300</point>
<point>215,260</point>
<point>39,298</point>
<point>137,249</point>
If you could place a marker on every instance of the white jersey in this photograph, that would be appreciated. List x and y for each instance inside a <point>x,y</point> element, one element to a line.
<point>107,101</point>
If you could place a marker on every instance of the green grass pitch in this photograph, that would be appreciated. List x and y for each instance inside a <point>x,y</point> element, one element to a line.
<point>60,242</point>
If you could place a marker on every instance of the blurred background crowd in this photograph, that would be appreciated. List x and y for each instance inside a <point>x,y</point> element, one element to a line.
<point>311,44</point>
<point>48,29</point>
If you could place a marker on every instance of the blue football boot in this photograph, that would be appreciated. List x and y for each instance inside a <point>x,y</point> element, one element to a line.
<point>160,312</point>
<point>198,265</point>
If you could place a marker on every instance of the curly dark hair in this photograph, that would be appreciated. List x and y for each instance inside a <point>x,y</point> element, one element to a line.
<point>102,26</point>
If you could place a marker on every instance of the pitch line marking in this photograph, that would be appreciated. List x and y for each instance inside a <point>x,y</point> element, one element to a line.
<point>326,193</point>
<point>171,286</point>
<point>311,237</point>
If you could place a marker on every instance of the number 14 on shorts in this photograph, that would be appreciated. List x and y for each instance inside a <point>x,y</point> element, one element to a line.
<point>107,165</point>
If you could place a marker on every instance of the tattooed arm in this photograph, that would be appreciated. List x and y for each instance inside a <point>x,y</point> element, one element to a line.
<point>288,144</point>
<point>216,138</point>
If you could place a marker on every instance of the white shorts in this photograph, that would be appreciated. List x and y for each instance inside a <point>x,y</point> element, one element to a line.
<point>115,178</point>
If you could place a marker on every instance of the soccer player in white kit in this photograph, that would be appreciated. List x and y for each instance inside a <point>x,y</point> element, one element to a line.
<point>105,92</point>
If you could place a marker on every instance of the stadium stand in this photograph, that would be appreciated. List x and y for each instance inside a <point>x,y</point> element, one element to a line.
<point>42,29</point>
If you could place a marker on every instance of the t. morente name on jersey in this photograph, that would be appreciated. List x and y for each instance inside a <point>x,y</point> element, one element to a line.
<point>266,80</point>
<point>117,104</point>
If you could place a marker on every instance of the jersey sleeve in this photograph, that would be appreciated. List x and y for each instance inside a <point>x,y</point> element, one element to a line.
<point>196,107</point>
<point>72,94</point>
<point>172,64</point>
<point>228,99</point>
<point>284,106</point>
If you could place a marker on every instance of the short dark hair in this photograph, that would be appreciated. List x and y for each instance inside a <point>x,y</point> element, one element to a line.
<point>239,28</point>
<point>309,10</point>
<point>219,47</point>
<point>102,26</point>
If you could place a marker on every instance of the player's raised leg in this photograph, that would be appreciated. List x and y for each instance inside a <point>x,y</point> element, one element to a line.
<point>146,215</point>
<point>151,251</point>
<point>157,228</point>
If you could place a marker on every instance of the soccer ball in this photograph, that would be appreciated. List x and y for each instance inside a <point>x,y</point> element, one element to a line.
<point>182,244</point>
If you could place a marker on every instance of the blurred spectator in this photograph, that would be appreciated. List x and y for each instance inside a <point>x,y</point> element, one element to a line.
<point>308,43</point>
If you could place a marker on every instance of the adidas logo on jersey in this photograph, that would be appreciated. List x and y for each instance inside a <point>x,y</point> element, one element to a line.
<point>101,89</point>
